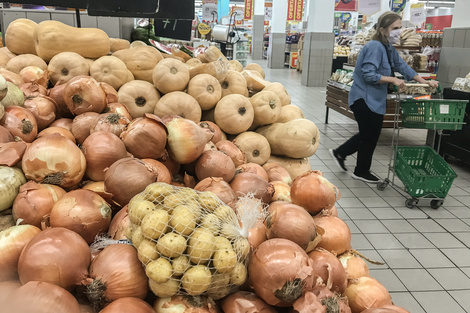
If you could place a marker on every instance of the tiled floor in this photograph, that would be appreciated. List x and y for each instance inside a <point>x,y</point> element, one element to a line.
<point>426,251</point>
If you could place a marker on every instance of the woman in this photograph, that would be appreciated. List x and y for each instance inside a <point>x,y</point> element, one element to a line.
<point>368,95</point>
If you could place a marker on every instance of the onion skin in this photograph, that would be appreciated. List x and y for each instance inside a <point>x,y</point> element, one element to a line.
<point>56,255</point>
<point>82,125</point>
<point>12,152</point>
<point>218,133</point>
<point>337,236</point>
<point>5,135</point>
<point>171,165</point>
<point>111,122</point>
<point>386,309</point>
<point>119,108</point>
<point>257,235</point>
<point>57,94</point>
<point>329,269</point>
<point>354,265</point>
<point>98,187</point>
<point>243,301</point>
<point>163,174</point>
<point>33,89</point>
<point>252,168</point>
<point>64,123</point>
<point>35,201</point>
<point>126,305</point>
<point>238,157</point>
<point>281,191</point>
<point>111,93</point>
<point>84,94</point>
<point>276,172</point>
<point>12,77</point>
<point>215,164</point>
<point>221,189</point>
<point>185,304</point>
<point>6,288</point>
<point>245,183</point>
<point>12,242</point>
<point>43,109</point>
<point>119,227</point>
<point>20,122</point>
<point>365,293</point>
<point>57,130</point>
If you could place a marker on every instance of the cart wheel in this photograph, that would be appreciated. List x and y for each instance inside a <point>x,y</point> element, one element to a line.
<point>436,204</point>
<point>410,203</point>
<point>383,184</point>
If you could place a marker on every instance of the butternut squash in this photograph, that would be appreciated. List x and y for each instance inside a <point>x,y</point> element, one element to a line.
<point>254,81</point>
<point>139,97</point>
<point>4,58</point>
<point>170,75</point>
<point>206,90</point>
<point>118,44</point>
<point>53,37</point>
<point>235,65</point>
<point>110,70</point>
<point>295,167</point>
<point>234,114</point>
<point>19,36</point>
<point>179,103</point>
<point>140,61</point>
<point>255,147</point>
<point>218,69</point>
<point>280,91</point>
<point>137,43</point>
<point>295,139</point>
<point>66,65</point>
<point>194,62</point>
<point>234,83</point>
<point>19,62</point>
<point>267,107</point>
<point>256,67</point>
<point>290,112</point>
<point>212,53</point>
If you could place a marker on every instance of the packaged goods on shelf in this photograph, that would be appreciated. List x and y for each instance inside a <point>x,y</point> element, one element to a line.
<point>360,38</point>
<point>462,84</point>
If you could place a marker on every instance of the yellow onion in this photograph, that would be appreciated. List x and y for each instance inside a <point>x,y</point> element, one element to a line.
<point>11,77</point>
<point>84,94</point>
<point>82,125</point>
<point>20,122</point>
<point>252,168</point>
<point>5,135</point>
<point>257,235</point>
<point>63,122</point>
<point>365,293</point>
<point>276,172</point>
<point>337,236</point>
<point>281,191</point>
<point>12,152</point>
<point>321,299</point>
<point>218,133</point>
<point>354,265</point>
<point>34,74</point>
<point>171,165</point>
<point>221,189</point>
<point>126,305</point>
<point>215,164</point>
<point>111,122</point>
<point>6,288</point>
<point>33,89</point>
<point>3,89</point>
<point>116,107</point>
<point>120,225</point>
<point>56,130</point>
<point>54,160</point>
<point>185,304</point>
<point>162,172</point>
<point>11,178</point>
<point>386,309</point>
<point>111,93</point>
<point>34,202</point>
<point>14,96</point>
<point>327,267</point>
<point>250,183</point>
<point>237,156</point>
<point>98,187</point>
<point>86,308</point>
<point>57,94</point>
<point>244,301</point>
<point>43,109</point>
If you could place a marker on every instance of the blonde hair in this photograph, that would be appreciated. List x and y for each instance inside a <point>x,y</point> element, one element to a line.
<point>385,20</point>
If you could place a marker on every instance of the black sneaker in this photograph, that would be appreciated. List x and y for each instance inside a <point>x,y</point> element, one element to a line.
<point>338,160</point>
<point>368,178</point>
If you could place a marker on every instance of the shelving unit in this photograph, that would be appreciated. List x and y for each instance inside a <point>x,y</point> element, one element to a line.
<point>241,51</point>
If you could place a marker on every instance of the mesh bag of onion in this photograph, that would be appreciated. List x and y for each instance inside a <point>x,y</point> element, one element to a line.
<point>190,242</point>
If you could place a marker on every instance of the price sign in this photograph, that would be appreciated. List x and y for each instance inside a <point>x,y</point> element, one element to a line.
<point>369,7</point>
<point>417,13</point>
<point>172,28</point>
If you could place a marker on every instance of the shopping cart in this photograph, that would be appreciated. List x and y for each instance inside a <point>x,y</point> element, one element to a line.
<point>423,172</point>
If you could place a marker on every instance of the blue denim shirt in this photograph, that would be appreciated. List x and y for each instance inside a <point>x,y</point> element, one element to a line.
<point>372,64</point>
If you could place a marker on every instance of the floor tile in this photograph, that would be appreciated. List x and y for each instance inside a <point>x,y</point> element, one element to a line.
<point>426,226</point>
<point>464,238</point>
<point>399,258</point>
<point>451,278</point>
<point>387,278</point>
<point>462,298</point>
<point>363,192</point>
<point>350,203</point>
<point>374,256</point>
<point>385,213</point>
<point>438,302</point>
<point>414,213</point>
<point>399,226</point>
<point>371,227</point>
<point>417,280</point>
<point>431,258</point>
<point>466,270</point>
<point>437,214</point>
<point>453,225</point>
<point>462,212</point>
<point>352,227</point>
<point>360,214</point>
<point>460,256</point>
<point>374,202</point>
<point>360,242</point>
<point>384,241</point>
<point>406,301</point>
<point>444,240</point>
<point>414,241</point>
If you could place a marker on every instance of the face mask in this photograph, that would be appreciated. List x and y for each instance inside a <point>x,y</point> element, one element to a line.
<point>394,36</point>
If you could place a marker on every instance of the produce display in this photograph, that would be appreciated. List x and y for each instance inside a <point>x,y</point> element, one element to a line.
<point>133,180</point>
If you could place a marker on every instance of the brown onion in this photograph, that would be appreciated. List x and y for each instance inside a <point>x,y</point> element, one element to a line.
<point>252,168</point>
<point>55,255</point>
<point>292,222</point>
<point>116,107</point>
<point>111,122</point>
<point>35,201</point>
<point>82,125</point>
<point>33,89</point>
<point>84,94</point>
<point>215,164</point>
<point>6,288</point>
<point>238,157</point>
<point>365,293</point>
<point>43,109</point>
<point>354,265</point>
<point>11,77</point>
<point>243,301</point>
<point>280,271</point>
<point>117,273</point>
<point>386,309</point>
<point>246,183</point>
<point>111,93</point>
<point>163,174</point>
<point>63,122</point>
<point>56,130</point>
<point>276,172</point>
<point>126,305</point>
<point>5,135</point>
<point>218,133</point>
<point>98,187</point>
<point>35,74</point>
<point>257,235</point>
<point>221,189</point>
<point>127,177</point>
<point>171,165</point>
<point>86,308</point>
<point>12,152</point>
<point>314,192</point>
<point>211,146</point>
<point>145,137</point>
<point>281,191</point>
<point>12,242</point>
<point>321,299</point>
<point>120,224</point>
<point>20,122</point>
<point>54,160</point>
<point>329,269</point>
<point>337,236</point>
<point>57,94</point>
<point>184,304</point>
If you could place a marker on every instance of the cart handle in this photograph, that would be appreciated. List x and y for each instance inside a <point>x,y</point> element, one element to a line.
<point>438,89</point>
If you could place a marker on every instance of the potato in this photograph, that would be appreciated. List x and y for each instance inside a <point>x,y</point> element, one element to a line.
<point>167,289</point>
<point>180,265</point>
<point>209,200</point>
<point>146,251</point>
<point>156,192</point>
<point>224,260</point>
<point>229,231</point>
<point>222,243</point>
<point>201,246</point>
<point>211,222</point>
<point>182,196</point>
<point>155,224</point>
<point>238,274</point>
<point>196,280</point>
<point>171,245</point>
<point>225,213</point>
<point>220,286</point>
<point>183,220</point>
<point>159,270</point>
<point>188,194</point>
<point>138,209</point>
<point>137,237</point>
<point>219,293</point>
<point>241,246</point>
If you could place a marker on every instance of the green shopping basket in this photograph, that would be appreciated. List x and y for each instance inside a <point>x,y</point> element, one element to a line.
<point>433,113</point>
<point>423,172</point>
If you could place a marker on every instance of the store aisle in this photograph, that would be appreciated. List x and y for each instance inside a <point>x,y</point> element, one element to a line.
<point>426,251</point>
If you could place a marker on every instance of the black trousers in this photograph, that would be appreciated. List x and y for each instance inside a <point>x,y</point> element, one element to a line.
<point>364,142</point>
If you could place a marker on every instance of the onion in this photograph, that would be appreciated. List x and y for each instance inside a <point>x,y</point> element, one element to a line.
<point>43,109</point>
<point>116,273</point>
<point>82,125</point>
<point>246,183</point>
<point>126,178</point>
<point>35,74</point>
<point>337,236</point>
<point>119,227</point>
<point>243,301</point>
<point>221,189</point>
<point>57,94</point>
<point>292,222</point>
<point>211,146</point>
<point>12,152</point>
<point>365,293</point>
<point>186,140</point>
<point>386,309</point>
<point>55,255</point>
<point>57,130</point>
<point>111,122</point>
<point>63,122</point>
<point>218,133</point>
<point>13,97</point>
<point>33,89</point>
<point>111,93</point>
<point>43,297</point>
<point>12,242</point>
<point>145,137</point>
<point>238,157</point>
<point>185,304</point>
<point>276,172</point>
<point>354,265</point>
<point>126,305</point>
<point>215,164</point>
<point>98,187</point>
<point>5,135</point>
<point>280,271</point>
<point>116,107</point>
<point>86,308</point>
<point>321,299</point>
<point>20,122</point>
<point>163,174</point>
<point>35,201</point>
<point>84,94</point>
<point>252,168</point>
<point>6,288</point>
<point>11,77</point>
<point>329,269</point>
<point>54,160</point>
<point>314,192</point>
<point>281,191</point>
<point>257,235</point>
<point>171,165</point>
<point>295,167</point>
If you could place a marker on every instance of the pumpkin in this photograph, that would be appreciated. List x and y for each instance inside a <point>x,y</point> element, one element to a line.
<point>177,52</point>
<point>254,81</point>
<point>138,43</point>
<point>19,62</point>
<point>235,65</point>
<point>234,83</point>
<point>290,112</point>
<point>66,65</point>
<point>19,36</point>
<point>234,114</point>
<point>194,62</point>
<point>255,147</point>
<point>267,107</point>
<point>140,61</point>
<point>296,139</point>
<point>179,103</point>
<point>255,67</point>
<point>295,167</point>
<point>201,57</point>
<point>130,76</point>
<point>280,91</point>
<point>206,90</point>
<point>171,56</point>
<point>4,58</point>
<point>139,97</point>
<point>170,75</point>
<point>218,69</point>
<point>54,37</point>
<point>6,51</point>
<point>110,70</point>
<point>119,44</point>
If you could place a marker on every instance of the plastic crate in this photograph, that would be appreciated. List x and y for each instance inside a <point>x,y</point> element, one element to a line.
<point>423,172</point>
<point>433,114</point>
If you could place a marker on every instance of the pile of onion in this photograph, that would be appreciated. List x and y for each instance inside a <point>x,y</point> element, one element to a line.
<point>186,304</point>
<point>321,299</point>
<point>365,293</point>
<point>111,122</point>
<point>120,225</point>
<point>84,94</point>
<point>82,125</point>
<point>354,265</point>
<point>276,172</point>
<point>126,305</point>
<point>221,189</point>
<point>250,183</point>
<point>243,301</point>
<point>337,235</point>
<point>20,122</point>
<point>252,168</point>
<point>215,164</point>
<point>327,266</point>
<point>237,156</point>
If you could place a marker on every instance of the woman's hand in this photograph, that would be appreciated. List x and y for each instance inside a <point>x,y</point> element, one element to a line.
<point>433,83</point>
<point>398,82</point>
